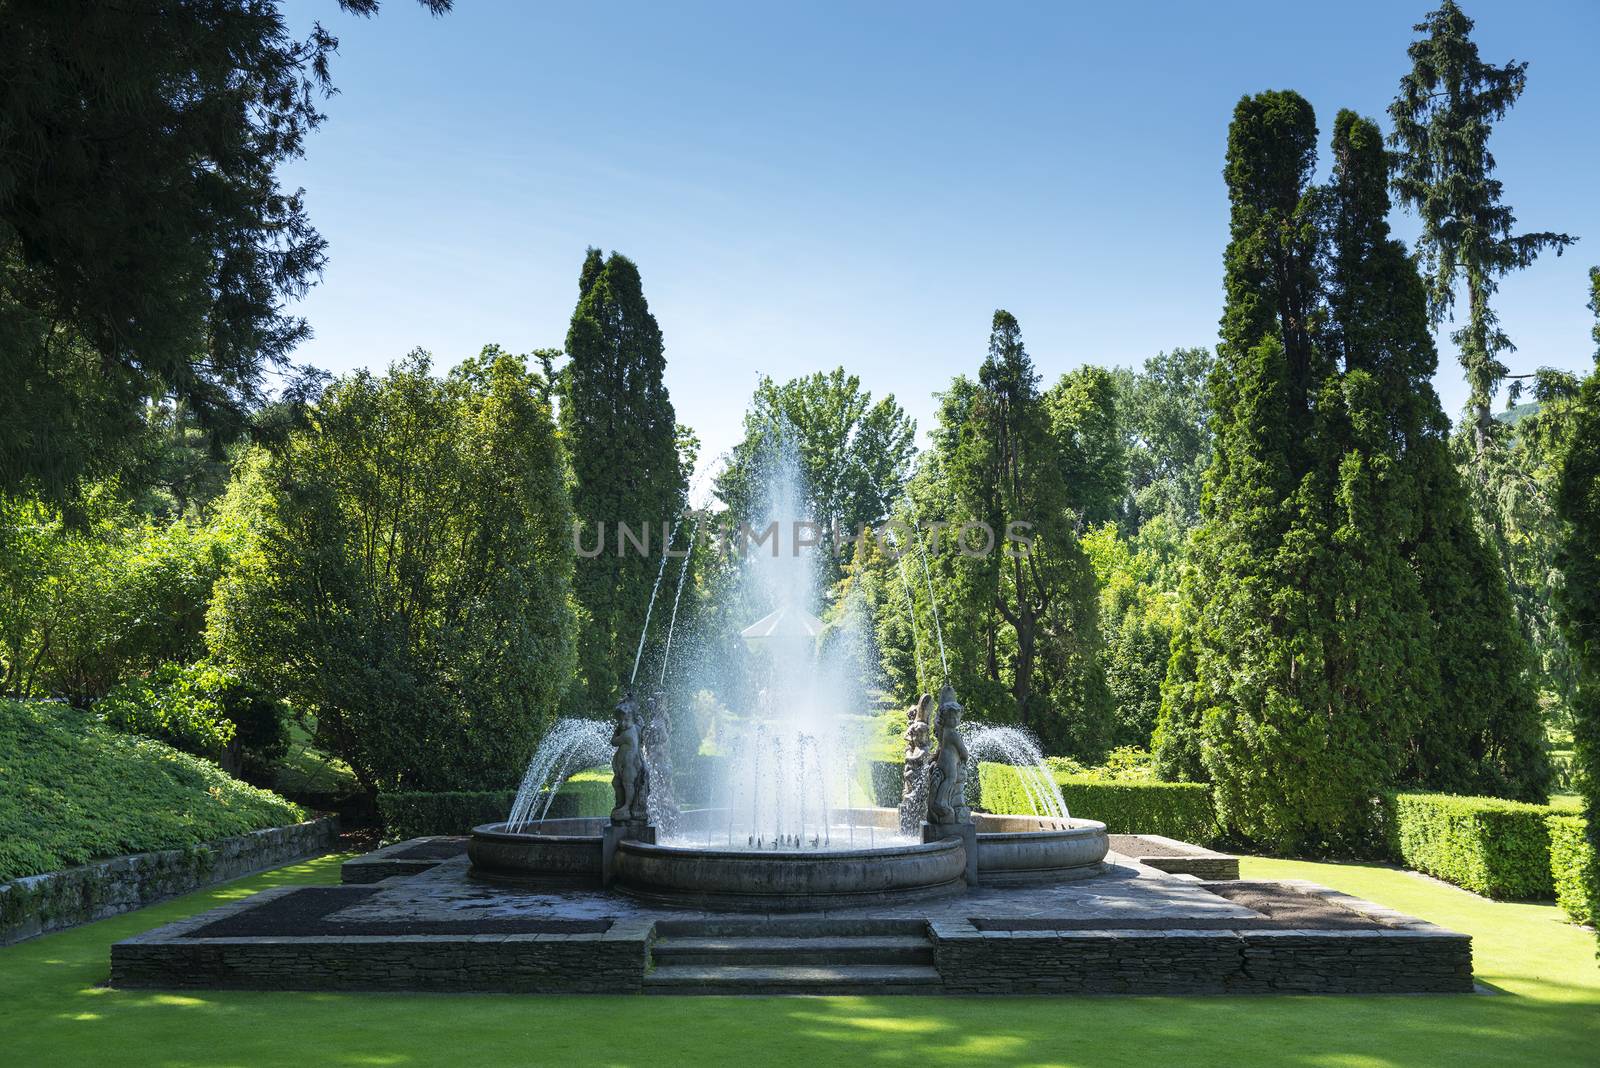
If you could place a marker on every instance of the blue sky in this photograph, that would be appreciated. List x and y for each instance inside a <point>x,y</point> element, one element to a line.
<point>863,184</point>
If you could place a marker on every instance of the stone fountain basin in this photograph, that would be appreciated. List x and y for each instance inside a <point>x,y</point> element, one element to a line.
<point>1022,849</point>
<point>788,880</point>
<point>562,851</point>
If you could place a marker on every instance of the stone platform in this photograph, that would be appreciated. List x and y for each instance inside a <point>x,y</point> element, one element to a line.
<point>410,918</point>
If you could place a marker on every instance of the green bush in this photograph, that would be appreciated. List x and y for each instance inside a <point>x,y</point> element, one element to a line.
<point>1180,810</point>
<point>415,813</point>
<point>1574,868</point>
<point>406,573</point>
<point>205,711</point>
<point>87,607</point>
<point>1497,848</point>
<point>72,791</point>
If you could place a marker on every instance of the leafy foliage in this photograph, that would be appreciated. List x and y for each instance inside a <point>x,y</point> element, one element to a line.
<point>207,711</point>
<point>1497,848</point>
<point>407,573</point>
<point>1574,868</point>
<point>147,246</point>
<point>1578,505</point>
<point>854,455</point>
<point>1180,810</point>
<point>92,602</point>
<point>1020,622</point>
<point>72,791</point>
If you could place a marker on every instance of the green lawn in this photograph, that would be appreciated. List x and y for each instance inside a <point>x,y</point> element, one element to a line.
<point>1547,1011</point>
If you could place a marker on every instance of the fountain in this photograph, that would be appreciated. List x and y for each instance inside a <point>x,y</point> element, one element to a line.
<point>786,828</point>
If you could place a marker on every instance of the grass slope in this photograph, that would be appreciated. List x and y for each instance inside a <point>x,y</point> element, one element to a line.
<point>72,791</point>
<point>1546,1010</point>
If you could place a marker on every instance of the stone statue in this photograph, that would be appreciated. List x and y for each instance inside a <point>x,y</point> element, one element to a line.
<point>628,773</point>
<point>947,782</point>
<point>658,760</point>
<point>914,773</point>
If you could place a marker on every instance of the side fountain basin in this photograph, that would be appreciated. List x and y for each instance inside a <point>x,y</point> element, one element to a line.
<point>1024,849</point>
<point>560,851</point>
<point>789,880</point>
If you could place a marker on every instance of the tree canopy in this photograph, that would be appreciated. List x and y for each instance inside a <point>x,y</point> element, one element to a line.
<point>147,245</point>
<point>1443,115</point>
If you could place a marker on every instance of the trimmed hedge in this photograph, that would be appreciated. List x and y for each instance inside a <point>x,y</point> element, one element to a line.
<point>1180,810</point>
<point>1574,868</point>
<point>1497,848</point>
<point>415,813</point>
<point>72,790</point>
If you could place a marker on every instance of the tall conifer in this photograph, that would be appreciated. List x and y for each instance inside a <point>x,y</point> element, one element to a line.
<point>622,436</point>
<point>1578,503</point>
<point>1446,109</point>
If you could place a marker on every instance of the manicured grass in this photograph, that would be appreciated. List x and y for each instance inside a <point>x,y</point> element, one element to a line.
<point>1547,1011</point>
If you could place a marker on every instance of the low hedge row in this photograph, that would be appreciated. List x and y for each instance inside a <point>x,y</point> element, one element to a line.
<point>1180,810</point>
<point>415,813</point>
<point>1497,848</point>
<point>1575,868</point>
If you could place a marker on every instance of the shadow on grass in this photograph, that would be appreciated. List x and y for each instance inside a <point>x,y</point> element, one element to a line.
<point>53,1012</point>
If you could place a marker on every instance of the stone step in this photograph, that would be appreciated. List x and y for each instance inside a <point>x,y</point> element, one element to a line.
<point>856,949</point>
<point>793,979</point>
<point>789,927</point>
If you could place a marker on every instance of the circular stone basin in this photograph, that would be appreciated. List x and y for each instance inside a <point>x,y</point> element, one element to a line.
<point>1021,849</point>
<point>699,877</point>
<point>564,852</point>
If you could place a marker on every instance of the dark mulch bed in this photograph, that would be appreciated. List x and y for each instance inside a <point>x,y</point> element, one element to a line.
<point>1280,908</point>
<point>303,914</point>
<point>435,849</point>
<point>1133,845</point>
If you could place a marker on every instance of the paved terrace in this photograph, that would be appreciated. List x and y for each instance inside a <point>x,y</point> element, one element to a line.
<point>425,924</point>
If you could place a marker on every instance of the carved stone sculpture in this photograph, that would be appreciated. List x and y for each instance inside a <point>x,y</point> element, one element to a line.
<point>947,782</point>
<point>914,774</point>
<point>628,773</point>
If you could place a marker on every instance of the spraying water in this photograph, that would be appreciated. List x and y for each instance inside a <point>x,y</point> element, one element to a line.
<point>644,631</point>
<point>1017,748</point>
<point>933,606</point>
<point>571,745</point>
<point>791,739</point>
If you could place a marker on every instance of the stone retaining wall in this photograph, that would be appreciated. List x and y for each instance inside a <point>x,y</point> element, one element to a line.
<point>612,962</point>
<point>38,904</point>
<point>1405,956</point>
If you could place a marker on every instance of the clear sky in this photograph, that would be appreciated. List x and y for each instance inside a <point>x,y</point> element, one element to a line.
<point>863,184</point>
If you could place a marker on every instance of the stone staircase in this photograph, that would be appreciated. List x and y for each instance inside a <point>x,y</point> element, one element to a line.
<point>792,956</point>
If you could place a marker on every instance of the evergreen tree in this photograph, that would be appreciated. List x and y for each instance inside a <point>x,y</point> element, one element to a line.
<point>1259,396</point>
<point>1445,111</point>
<point>1023,621</point>
<point>1578,503</point>
<point>148,249</point>
<point>621,435</point>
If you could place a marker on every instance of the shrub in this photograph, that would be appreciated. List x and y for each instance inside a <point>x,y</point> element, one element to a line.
<point>1497,848</point>
<point>1574,868</point>
<point>407,572</point>
<point>415,813</point>
<point>73,791</point>
<point>1180,810</point>
<point>87,607</point>
<point>205,711</point>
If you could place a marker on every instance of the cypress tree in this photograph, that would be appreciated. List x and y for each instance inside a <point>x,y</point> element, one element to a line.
<point>621,432</point>
<point>1457,654</point>
<point>1324,603</point>
<point>1578,504</point>
<point>1443,116</point>
<point>1268,282</point>
<point>1232,705</point>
